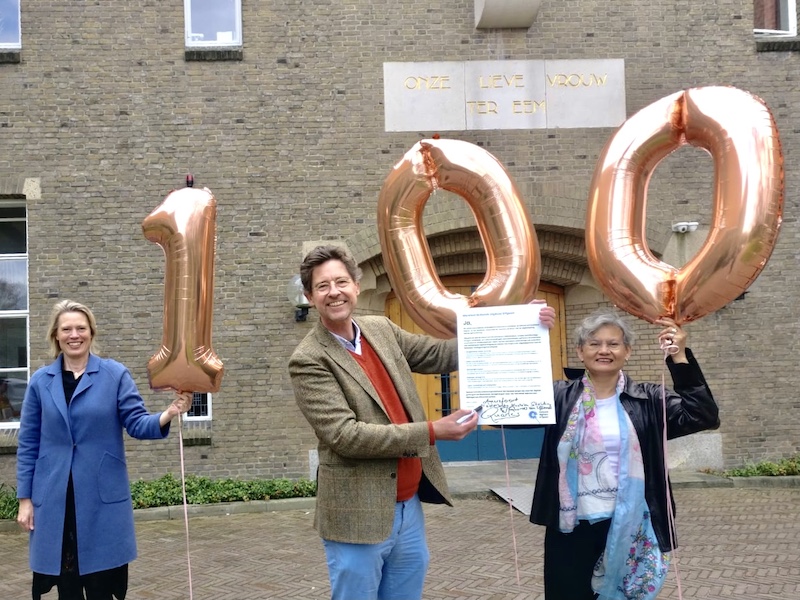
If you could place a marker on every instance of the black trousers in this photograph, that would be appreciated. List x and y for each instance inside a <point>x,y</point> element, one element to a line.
<point>103,585</point>
<point>569,560</point>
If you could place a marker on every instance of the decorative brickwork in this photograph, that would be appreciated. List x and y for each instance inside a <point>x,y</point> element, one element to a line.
<point>108,113</point>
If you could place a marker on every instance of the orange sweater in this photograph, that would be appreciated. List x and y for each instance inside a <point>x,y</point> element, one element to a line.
<point>409,470</point>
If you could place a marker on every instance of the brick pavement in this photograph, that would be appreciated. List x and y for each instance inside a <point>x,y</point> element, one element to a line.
<point>735,544</point>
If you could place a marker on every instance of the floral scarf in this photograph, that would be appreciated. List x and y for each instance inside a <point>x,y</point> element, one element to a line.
<point>632,567</point>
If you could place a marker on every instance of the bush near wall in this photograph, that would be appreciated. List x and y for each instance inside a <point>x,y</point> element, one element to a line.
<point>782,468</point>
<point>166,491</point>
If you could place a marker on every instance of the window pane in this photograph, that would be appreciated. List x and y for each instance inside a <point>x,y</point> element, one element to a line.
<point>775,16</point>
<point>13,343</point>
<point>214,21</point>
<point>199,405</point>
<point>13,284</point>
<point>767,14</point>
<point>12,237</point>
<point>9,23</point>
<point>12,392</point>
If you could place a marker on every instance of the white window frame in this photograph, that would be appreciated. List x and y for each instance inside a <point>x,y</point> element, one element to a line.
<point>192,40</point>
<point>207,417</point>
<point>18,44</point>
<point>25,313</point>
<point>791,15</point>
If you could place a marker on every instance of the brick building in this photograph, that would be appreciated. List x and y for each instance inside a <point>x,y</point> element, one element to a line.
<point>105,106</point>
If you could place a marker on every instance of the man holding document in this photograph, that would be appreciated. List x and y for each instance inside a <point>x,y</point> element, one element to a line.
<point>353,382</point>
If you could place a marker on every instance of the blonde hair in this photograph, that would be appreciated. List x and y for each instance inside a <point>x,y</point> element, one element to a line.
<point>67,306</point>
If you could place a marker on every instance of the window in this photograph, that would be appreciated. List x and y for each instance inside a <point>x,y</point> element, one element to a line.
<point>201,407</point>
<point>212,23</point>
<point>13,311</point>
<point>775,17</point>
<point>10,35</point>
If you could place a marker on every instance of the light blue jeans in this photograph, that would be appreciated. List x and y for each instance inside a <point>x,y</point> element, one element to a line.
<point>391,570</point>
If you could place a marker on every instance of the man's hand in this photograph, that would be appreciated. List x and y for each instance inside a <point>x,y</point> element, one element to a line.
<point>448,429</point>
<point>547,314</point>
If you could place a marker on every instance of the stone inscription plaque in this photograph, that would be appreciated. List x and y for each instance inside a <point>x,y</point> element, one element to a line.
<point>512,94</point>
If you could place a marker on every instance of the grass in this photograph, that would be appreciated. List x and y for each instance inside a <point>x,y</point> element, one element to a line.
<point>781,468</point>
<point>166,491</point>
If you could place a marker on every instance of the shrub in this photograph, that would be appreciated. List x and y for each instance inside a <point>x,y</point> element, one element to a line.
<point>166,491</point>
<point>8,502</point>
<point>781,468</point>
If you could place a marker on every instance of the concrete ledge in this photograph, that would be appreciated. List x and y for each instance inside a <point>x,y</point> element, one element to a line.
<point>10,526</point>
<point>175,512</point>
<point>691,479</point>
<point>789,481</point>
<point>166,513</point>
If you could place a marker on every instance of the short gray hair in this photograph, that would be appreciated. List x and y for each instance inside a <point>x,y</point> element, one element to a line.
<point>601,318</point>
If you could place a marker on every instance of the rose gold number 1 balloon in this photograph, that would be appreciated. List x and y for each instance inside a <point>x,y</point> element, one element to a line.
<point>184,225</point>
<point>738,130</point>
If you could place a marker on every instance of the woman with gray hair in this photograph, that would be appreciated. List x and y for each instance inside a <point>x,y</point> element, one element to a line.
<point>602,489</point>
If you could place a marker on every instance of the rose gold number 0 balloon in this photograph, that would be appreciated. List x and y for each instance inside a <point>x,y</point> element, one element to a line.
<point>184,225</point>
<point>512,249</point>
<point>738,130</point>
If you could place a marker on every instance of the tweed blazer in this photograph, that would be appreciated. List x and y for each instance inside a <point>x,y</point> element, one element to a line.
<point>358,444</point>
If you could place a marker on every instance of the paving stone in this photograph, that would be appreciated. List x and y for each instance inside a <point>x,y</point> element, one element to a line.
<point>736,543</point>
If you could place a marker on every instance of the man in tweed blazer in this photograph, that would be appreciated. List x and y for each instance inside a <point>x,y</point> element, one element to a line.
<point>377,459</point>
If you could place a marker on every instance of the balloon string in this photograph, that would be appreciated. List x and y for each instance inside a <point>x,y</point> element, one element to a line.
<point>669,348</point>
<point>510,503</point>
<point>185,505</point>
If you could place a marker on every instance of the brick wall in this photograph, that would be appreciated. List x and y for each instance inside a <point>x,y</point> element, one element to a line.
<point>104,108</point>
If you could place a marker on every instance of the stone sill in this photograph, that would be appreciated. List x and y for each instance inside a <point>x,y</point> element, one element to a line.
<point>213,54</point>
<point>10,56</point>
<point>204,440</point>
<point>778,44</point>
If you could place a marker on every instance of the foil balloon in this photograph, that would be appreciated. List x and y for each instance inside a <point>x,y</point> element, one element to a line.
<point>739,132</point>
<point>512,249</point>
<point>184,225</point>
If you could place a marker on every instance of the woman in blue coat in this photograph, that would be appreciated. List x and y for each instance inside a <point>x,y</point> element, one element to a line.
<point>72,480</point>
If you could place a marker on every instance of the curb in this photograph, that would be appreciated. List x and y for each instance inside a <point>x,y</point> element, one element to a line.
<point>786,481</point>
<point>223,509</point>
<point>169,513</point>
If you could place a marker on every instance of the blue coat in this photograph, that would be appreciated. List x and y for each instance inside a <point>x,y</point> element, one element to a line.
<point>86,439</point>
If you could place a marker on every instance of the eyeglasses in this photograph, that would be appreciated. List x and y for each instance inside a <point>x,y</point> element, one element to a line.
<point>341,283</point>
<point>597,344</point>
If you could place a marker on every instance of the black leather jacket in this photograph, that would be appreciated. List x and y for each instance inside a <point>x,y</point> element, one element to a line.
<point>690,408</point>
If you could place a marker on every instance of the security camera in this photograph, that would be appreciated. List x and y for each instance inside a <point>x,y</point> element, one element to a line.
<point>685,226</point>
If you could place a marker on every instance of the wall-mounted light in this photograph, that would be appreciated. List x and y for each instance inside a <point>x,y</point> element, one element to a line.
<point>504,14</point>
<point>294,292</point>
<point>685,226</point>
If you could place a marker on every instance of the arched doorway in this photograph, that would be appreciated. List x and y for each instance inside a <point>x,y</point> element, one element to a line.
<point>439,393</point>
